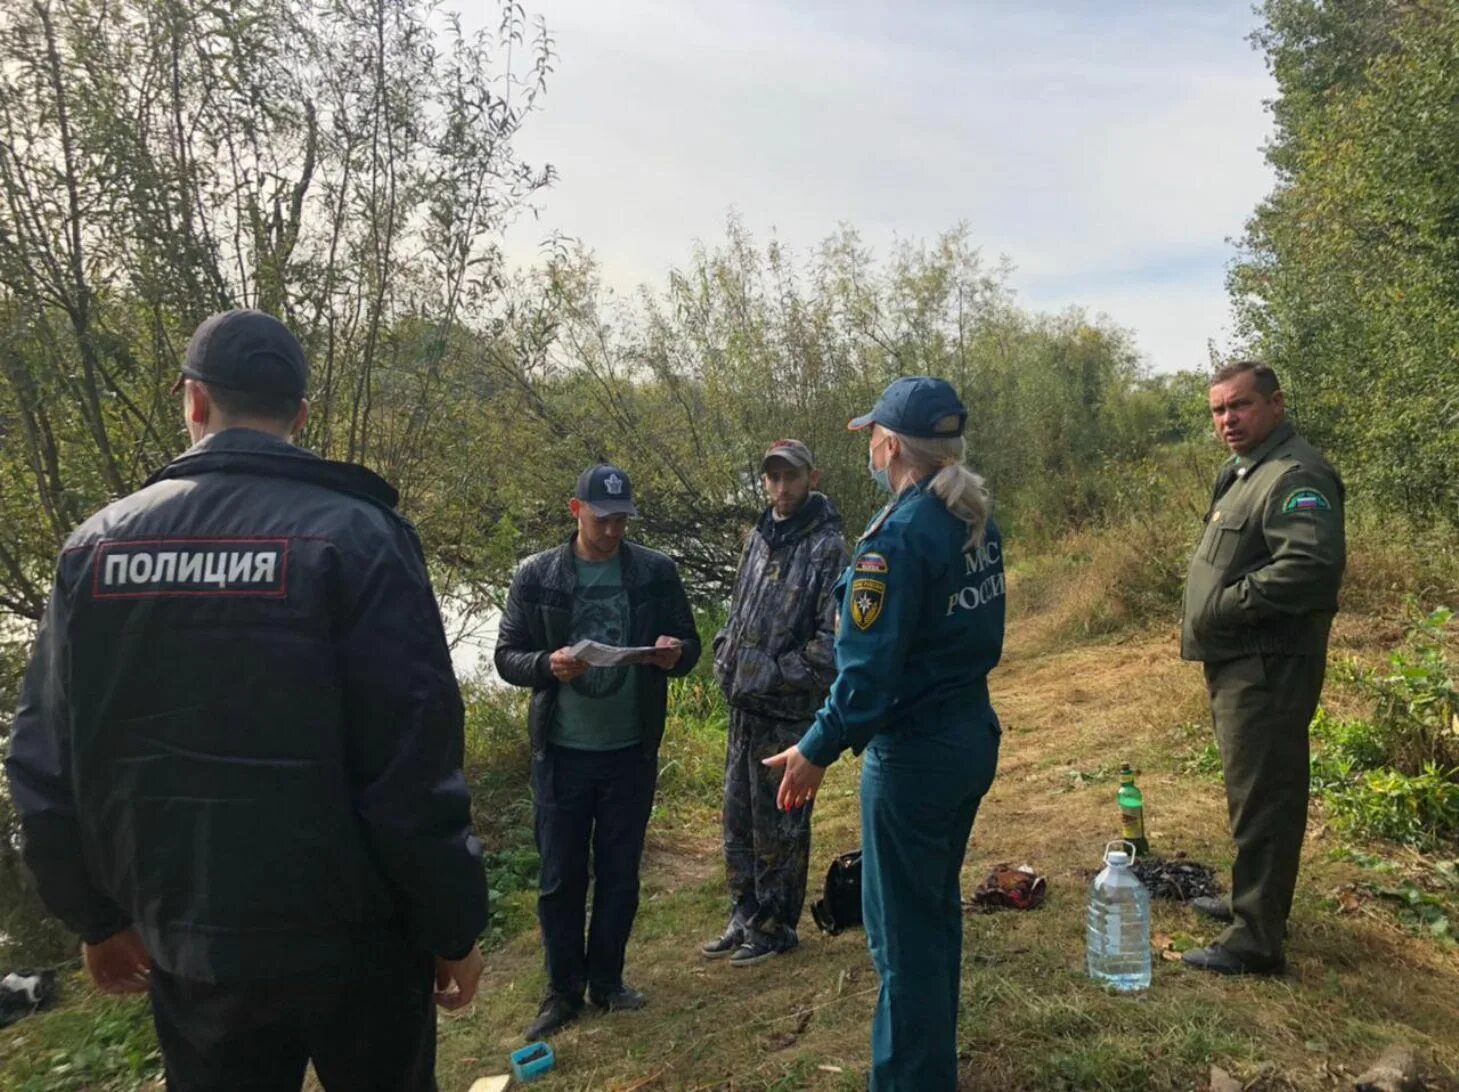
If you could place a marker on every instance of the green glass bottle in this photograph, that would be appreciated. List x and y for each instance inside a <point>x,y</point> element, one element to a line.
<point>1132,812</point>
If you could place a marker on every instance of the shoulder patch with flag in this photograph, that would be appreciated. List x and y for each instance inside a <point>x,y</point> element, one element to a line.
<point>872,563</point>
<point>1304,500</point>
<point>867,598</point>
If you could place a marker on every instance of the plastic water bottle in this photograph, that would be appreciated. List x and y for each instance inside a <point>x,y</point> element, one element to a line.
<point>1118,929</point>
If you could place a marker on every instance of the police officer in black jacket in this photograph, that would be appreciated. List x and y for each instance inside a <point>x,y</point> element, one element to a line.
<point>237,758</point>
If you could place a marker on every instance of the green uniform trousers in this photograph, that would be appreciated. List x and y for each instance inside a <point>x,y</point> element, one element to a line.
<point>919,796</point>
<point>1262,707</point>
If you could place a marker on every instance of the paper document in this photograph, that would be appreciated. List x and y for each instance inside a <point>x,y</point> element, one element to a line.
<point>600,655</point>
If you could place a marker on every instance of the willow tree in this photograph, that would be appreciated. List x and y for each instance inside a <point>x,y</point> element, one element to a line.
<point>685,385</point>
<point>345,164</point>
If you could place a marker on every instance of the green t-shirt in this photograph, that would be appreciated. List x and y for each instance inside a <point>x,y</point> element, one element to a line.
<point>598,710</point>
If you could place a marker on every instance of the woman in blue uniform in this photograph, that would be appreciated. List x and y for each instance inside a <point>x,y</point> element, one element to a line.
<point>922,609</point>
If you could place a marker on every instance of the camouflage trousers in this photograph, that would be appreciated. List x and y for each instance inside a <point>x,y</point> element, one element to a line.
<point>766,851</point>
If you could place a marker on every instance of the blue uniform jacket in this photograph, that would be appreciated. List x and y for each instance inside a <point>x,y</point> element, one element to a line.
<point>921,627</point>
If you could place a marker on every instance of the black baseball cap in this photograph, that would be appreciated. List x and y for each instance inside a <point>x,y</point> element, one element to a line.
<point>246,351</point>
<point>607,491</point>
<point>917,405</point>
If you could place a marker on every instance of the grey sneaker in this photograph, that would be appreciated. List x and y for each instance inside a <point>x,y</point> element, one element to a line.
<point>733,937</point>
<point>759,947</point>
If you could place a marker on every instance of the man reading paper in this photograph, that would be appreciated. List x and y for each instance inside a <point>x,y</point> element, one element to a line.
<point>595,732</point>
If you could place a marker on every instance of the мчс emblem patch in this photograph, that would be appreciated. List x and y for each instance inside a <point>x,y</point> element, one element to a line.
<point>872,563</point>
<point>1304,500</point>
<point>867,597</point>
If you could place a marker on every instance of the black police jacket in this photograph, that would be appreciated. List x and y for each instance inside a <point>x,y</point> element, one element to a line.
<point>538,621</point>
<point>240,730</point>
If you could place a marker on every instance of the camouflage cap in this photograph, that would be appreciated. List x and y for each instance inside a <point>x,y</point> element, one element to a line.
<point>792,451</point>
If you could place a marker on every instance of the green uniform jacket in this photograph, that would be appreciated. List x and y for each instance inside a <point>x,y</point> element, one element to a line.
<point>1266,574</point>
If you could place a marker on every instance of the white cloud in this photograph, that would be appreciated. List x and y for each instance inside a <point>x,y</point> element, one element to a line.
<point>1108,149</point>
<point>1178,321</point>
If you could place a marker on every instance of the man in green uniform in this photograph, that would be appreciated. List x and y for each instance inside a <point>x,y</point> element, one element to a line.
<point>1259,602</point>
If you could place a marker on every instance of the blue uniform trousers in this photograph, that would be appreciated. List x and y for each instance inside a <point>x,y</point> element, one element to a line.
<point>919,795</point>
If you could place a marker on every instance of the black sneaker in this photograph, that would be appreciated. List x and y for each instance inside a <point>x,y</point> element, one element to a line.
<point>759,947</point>
<point>623,999</point>
<point>733,937</point>
<point>554,1015</point>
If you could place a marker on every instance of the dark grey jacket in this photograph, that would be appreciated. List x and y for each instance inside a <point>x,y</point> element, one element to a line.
<point>538,621</point>
<point>776,654</point>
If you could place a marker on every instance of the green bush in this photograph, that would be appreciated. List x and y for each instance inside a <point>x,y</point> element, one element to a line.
<point>29,935</point>
<point>1396,774</point>
<point>105,1044</point>
<point>1203,760</point>
<point>512,876</point>
<point>691,760</point>
<point>1419,810</point>
<point>496,717</point>
<point>1102,581</point>
<point>1393,560</point>
<point>1345,749</point>
<point>1416,704</point>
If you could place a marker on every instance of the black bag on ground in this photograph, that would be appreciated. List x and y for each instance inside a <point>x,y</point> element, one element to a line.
<point>25,992</point>
<point>840,907</point>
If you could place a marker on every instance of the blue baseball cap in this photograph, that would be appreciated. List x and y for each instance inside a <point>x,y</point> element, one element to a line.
<point>607,491</point>
<point>917,405</point>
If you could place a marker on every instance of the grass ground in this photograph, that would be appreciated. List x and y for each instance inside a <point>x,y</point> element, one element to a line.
<point>1031,1019</point>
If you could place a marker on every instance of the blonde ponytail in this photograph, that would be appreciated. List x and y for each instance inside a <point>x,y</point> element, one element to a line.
<point>961,491</point>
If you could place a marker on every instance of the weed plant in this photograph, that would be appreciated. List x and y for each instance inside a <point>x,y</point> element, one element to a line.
<point>1395,775</point>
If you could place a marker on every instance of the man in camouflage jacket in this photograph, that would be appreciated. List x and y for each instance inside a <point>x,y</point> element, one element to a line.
<point>775,659</point>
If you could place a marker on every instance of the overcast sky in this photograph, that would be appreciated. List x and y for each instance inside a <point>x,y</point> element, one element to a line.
<point>1109,149</point>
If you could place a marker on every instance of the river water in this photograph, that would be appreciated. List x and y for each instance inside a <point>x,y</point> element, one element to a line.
<point>472,636</point>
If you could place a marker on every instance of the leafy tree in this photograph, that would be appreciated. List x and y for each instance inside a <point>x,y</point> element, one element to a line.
<point>1349,280</point>
<point>345,164</point>
<point>336,162</point>
<point>745,344</point>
